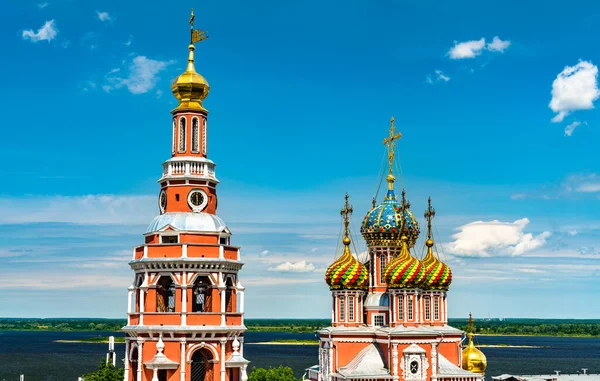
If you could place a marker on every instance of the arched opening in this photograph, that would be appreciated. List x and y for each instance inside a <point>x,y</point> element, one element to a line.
<point>202,295</point>
<point>136,295</point>
<point>133,363</point>
<point>202,365</point>
<point>195,135</point>
<point>182,134</point>
<point>204,136</point>
<point>229,293</point>
<point>165,295</point>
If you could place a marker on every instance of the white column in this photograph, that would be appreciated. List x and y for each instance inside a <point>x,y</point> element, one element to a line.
<point>142,309</point>
<point>126,363</point>
<point>223,306</point>
<point>155,375</point>
<point>223,344</point>
<point>129,298</point>
<point>184,304</point>
<point>445,309</point>
<point>140,365</point>
<point>182,360</point>
<point>241,295</point>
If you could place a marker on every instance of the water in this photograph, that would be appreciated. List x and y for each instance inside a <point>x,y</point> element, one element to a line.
<point>40,358</point>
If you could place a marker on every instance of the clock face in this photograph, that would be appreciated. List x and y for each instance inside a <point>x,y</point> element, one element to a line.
<point>197,200</point>
<point>162,201</point>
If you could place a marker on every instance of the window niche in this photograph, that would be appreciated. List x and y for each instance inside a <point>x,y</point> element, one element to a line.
<point>165,294</point>
<point>202,295</point>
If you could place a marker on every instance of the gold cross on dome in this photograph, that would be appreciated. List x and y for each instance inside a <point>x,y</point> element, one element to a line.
<point>345,212</point>
<point>390,142</point>
<point>197,35</point>
<point>429,214</point>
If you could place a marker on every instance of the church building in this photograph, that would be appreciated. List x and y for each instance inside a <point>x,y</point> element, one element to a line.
<point>389,313</point>
<point>186,304</point>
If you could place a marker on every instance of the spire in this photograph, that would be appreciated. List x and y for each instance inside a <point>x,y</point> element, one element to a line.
<point>390,142</point>
<point>471,321</point>
<point>473,359</point>
<point>429,214</point>
<point>346,212</point>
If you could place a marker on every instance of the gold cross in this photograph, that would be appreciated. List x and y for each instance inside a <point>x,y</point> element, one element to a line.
<point>197,35</point>
<point>390,142</point>
<point>405,204</point>
<point>429,214</point>
<point>346,212</point>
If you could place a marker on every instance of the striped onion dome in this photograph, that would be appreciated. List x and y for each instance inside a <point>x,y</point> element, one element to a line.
<point>438,275</point>
<point>404,271</point>
<point>347,273</point>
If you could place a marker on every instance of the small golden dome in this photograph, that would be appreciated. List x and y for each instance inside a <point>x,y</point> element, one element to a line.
<point>473,360</point>
<point>429,243</point>
<point>190,88</point>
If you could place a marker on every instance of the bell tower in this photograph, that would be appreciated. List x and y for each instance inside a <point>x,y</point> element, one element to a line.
<point>186,303</point>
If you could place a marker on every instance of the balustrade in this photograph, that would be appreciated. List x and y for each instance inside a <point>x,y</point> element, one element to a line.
<point>188,168</point>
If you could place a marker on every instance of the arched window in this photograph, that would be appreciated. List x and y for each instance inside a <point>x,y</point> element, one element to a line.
<point>165,295</point>
<point>136,295</point>
<point>133,361</point>
<point>202,295</point>
<point>202,366</point>
<point>182,134</point>
<point>195,136</point>
<point>204,126</point>
<point>229,296</point>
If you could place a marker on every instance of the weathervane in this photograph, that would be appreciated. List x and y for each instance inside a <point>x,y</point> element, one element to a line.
<point>196,35</point>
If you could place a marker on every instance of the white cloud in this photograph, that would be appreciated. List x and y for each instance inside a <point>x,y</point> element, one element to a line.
<point>575,88</point>
<point>42,5</point>
<point>573,232</point>
<point>298,267</point>
<point>90,209</point>
<point>498,45</point>
<point>129,41</point>
<point>467,49</point>
<point>571,127</point>
<point>264,253</point>
<point>46,33</point>
<point>103,16</point>
<point>484,239</point>
<point>586,183</point>
<point>143,75</point>
<point>439,77</point>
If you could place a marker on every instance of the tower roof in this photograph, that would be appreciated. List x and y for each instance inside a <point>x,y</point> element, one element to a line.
<point>473,359</point>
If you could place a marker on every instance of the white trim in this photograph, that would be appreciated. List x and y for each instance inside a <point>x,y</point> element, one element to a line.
<point>197,140</point>
<point>201,345</point>
<point>204,135</point>
<point>373,320</point>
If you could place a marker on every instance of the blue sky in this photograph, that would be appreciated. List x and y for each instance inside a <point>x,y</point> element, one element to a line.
<point>495,102</point>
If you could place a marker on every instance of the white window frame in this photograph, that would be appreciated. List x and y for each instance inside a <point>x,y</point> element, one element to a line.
<point>374,322</point>
<point>195,135</point>
<point>342,312</point>
<point>181,141</point>
<point>410,308</point>
<point>169,234</point>
<point>401,307</point>
<point>436,308</point>
<point>351,308</point>
<point>174,147</point>
<point>427,308</point>
<point>204,129</point>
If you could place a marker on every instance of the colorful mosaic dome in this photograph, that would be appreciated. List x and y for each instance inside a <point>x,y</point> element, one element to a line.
<point>347,273</point>
<point>404,271</point>
<point>438,275</point>
<point>382,225</point>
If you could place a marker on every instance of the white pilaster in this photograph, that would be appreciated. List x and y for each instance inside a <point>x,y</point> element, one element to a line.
<point>139,364</point>
<point>182,361</point>
<point>184,304</point>
<point>126,362</point>
<point>223,344</point>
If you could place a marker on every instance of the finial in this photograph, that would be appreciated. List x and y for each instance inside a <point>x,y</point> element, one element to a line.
<point>192,19</point>
<point>374,202</point>
<point>160,346</point>
<point>405,204</point>
<point>345,212</point>
<point>429,214</point>
<point>471,321</point>
<point>390,142</point>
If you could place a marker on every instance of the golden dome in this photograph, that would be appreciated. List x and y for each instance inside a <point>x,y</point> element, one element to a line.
<point>473,360</point>
<point>190,88</point>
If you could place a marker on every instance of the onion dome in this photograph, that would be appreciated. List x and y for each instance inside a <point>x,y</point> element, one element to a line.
<point>347,273</point>
<point>473,360</point>
<point>438,275</point>
<point>190,88</point>
<point>382,226</point>
<point>404,271</point>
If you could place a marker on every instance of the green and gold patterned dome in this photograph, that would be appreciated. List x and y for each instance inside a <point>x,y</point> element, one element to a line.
<point>438,275</point>
<point>347,273</point>
<point>404,270</point>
